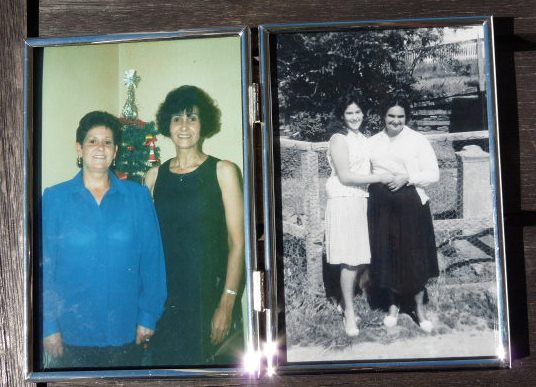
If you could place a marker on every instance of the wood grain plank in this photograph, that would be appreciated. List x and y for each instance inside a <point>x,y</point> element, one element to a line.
<point>71,17</point>
<point>526,90</point>
<point>12,30</point>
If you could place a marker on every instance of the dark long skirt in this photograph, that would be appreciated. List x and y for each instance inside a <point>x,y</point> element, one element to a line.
<point>402,242</point>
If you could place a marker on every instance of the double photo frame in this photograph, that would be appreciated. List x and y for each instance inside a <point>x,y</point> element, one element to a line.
<point>382,238</point>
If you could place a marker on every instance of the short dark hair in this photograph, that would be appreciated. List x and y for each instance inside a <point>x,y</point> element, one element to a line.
<point>98,118</point>
<point>340,107</point>
<point>388,103</point>
<point>345,101</point>
<point>186,98</point>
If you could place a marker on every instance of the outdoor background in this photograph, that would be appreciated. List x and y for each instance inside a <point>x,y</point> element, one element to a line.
<point>442,72</point>
<point>79,79</point>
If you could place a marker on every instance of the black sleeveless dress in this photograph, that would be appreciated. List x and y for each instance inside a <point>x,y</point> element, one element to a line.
<point>194,232</point>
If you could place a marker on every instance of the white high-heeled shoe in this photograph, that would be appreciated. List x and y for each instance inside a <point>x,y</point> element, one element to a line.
<point>391,320</point>
<point>426,325</point>
<point>350,328</point>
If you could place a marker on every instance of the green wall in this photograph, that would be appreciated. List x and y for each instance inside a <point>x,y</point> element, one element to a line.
<point>78,79</point>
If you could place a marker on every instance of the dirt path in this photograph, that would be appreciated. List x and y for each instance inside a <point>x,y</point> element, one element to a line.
<point>461,344</point>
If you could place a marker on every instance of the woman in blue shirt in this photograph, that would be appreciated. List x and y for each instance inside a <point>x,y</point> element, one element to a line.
<point>104,279</point>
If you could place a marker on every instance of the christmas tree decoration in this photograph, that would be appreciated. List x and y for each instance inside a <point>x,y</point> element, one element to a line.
<point>138,151</point>
<point>150,142</point>
<point>130,80</point>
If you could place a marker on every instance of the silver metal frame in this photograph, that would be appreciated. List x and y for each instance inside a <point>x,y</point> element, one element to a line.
<point>31,245</point>
<point>271,237</point>
<point>254,342</point>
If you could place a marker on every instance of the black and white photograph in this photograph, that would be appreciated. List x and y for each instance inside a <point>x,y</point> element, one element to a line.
<point>386,193</point>
<point>142,203</point>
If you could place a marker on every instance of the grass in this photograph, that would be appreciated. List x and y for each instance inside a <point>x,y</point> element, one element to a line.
<point>454,306</point>
<point>442,88</point>
<point>445,86</point>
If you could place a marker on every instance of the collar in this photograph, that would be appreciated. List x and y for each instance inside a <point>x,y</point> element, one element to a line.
<point>402,133</point>
<point>115,183</point>
<point>354,134</point>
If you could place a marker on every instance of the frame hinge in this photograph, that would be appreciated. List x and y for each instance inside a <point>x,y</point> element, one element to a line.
<point>258,291</point>
<point>254,116</point>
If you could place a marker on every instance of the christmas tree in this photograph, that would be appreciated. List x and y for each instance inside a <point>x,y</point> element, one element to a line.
<point>137,151</point>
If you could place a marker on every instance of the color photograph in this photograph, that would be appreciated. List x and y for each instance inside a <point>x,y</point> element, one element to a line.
<point>142,212</point>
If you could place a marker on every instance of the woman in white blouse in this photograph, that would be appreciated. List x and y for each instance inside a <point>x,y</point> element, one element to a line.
<point>402,237</point>
<point>347,239</point>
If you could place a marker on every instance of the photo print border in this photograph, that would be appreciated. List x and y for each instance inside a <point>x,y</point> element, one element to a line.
<point>307,331</point>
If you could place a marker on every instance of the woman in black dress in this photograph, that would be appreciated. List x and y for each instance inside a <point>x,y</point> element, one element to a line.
<point>199,203</point>
<point>402,241</point>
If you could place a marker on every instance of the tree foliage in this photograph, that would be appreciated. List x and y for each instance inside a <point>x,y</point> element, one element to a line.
<point>137,144</point>
<point>315,69</point>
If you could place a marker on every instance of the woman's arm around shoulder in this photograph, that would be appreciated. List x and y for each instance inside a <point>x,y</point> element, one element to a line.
<point>150,178</point>
<point>338,150</point>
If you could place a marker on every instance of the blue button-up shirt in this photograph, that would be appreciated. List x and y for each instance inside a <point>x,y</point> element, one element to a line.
<point>103,265</point>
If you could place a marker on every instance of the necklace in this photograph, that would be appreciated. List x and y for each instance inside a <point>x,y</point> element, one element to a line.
<point>189,168</point>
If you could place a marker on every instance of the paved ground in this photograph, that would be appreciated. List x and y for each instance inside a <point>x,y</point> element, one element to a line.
<point>460,344</point>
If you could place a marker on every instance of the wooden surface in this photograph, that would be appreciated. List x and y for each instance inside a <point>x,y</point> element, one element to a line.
<point>516,41</point>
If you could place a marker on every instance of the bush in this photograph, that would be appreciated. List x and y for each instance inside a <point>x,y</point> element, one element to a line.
<point>309,126</point>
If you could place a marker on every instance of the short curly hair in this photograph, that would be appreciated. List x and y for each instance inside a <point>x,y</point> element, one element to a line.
<point>341,105</point>
<point>98,118</point>
<point>186,98</point>
<point>345,101</point>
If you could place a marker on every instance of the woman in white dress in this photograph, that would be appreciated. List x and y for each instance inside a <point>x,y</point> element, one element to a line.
<point>347,238</point>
